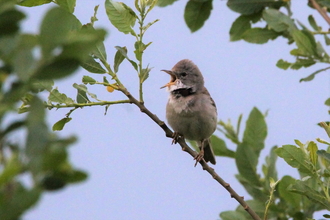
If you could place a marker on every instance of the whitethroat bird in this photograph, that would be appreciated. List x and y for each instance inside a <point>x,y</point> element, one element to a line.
<point>190,110</point>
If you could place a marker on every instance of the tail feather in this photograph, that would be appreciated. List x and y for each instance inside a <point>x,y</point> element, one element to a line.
<point>208,152</point>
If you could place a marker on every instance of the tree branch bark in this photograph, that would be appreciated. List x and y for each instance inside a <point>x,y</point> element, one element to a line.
<point>322,12</point>
<point>193,153</point>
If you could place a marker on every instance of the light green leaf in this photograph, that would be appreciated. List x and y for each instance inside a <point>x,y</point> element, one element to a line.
<point>247,7</point>
<point>11,169</point>
<point>259,35</point>
<point>254,190</point>
<point>88,80</point>
<point>255,131</point>
<point>56,96</point>
<point>144,74</point>
<point>295,157</point>
<point>312,148</point>
<point>58,126</point>
<point>302,188</point>
<point>246,162</point>
<point>196,13</point>
<point>68,5</point>
<point>304,43</point>
<point>232,215</point>
<point>121,16</point>
<point>291,199</point>
<point>313,24</point>
<point>269,168</point>
<point>283,64</point>
<point>92,66</point>
<point>278,21</point>
<point>220,148</point>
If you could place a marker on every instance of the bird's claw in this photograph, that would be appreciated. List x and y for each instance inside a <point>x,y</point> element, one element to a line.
<point>176,137</point>
<point>199,157</point>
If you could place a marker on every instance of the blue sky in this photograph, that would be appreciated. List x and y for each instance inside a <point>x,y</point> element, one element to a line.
<point>134,171</point>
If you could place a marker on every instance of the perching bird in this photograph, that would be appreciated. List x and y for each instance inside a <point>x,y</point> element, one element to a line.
<point>190,110</point>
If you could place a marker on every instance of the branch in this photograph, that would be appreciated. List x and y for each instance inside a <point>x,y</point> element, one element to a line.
<point>80,105</point>
<point>193,153</point>
<point>322,12</point>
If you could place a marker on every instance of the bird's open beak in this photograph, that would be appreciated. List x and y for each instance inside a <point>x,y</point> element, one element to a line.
<point>173,78</point>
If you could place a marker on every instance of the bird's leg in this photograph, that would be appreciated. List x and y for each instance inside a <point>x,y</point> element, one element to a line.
<point>176,137</point>
<point>200,155</point>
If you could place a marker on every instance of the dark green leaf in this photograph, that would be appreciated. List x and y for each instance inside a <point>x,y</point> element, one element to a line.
<point>313,24</point>
<point>9,21</point>
<point>52,182</point>
<point>68,5</point>
<point>246,162</point>
<point>83,89</point>
<point>311,77</point>
<point>240,25</point>
<point>327,102</point>
<point>220,148</point>
<point>259,35</point>
<point>247,7</point>
<point>304,43</point>
<point>295,157</point>
<point>302,188</point>
<point>119,57</point>
<point>139,48</point>
<point>163,3</point>
<point>58,126</point>
<point>81,93</point>
<point>56,69</point>
<point>32,3</point>
<point>75,176</point>
<point>327,40</point>
<point>121,16</point>
<point>88,80</point>
<point>55,29</point>
<point>92,66</point>
<point>196,13</point>
<point>254,190</point>
<point>255,131</point>
<point>291,199</point>
<point>283,64</point>
<point>123,51</point>
<point>324,154</point>
<point>56,96</point>
<point>278,21</point>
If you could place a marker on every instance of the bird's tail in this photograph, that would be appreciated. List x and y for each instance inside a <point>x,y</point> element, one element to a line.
<point>208,152</point>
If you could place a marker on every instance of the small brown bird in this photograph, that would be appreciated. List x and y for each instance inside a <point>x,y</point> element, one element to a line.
<point>190,110</point>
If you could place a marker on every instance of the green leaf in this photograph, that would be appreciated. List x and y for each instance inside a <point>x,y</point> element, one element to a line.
<point>220,148</point>
<point>304,43</point>
<point>196,13</point>
<point>302,188</point>
<point>163,3</point>
<point>313,24</point>
<point>11,169</point>
<point>327,40</point>
<point>41,85</point>
<point>93,66</point>
<point>55,28</point>
<point>254,190</point>
<point>311,77</point>
<point>255,131</point>
<point>75,176</point>
<point>119,57</point>
<point>247,7</point>
<point>9,21</point>
<point>68,5</point>
<point>56,96</point>
<point>269,168</point>
<point>240,25</point>
<point>144,74</point>
<point>88,80</point>
<point>139,48</point>
<point>291,199</point>
<point>58,126</point>
<point>278,21</point>
<point>57,68</point>
<point>295,157</point>
<point>123,51</point>
<point>327,102</point>
<point>32,3</point>
<point>324,154</point>
<point>81,93</point>
<point>259,35</point>
<point>283,64</point>
<point>246,162</point>
<point>121,16</point>
<point>232,215</point>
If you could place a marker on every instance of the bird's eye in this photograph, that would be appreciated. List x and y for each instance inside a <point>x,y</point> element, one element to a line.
<point>183,74</point>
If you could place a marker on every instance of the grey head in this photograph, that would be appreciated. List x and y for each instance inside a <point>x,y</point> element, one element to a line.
<point>185,75</point>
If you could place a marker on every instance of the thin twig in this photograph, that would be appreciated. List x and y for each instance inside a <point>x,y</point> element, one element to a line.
<point>80,105</point>
<point>193,153</point>
<point>322,12</point>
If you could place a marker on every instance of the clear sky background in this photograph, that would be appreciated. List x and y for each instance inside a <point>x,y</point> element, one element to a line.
<point>134,171</point>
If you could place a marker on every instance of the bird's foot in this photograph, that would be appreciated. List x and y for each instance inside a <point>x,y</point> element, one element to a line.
<point>176,136</point>
<point>199,156</point>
